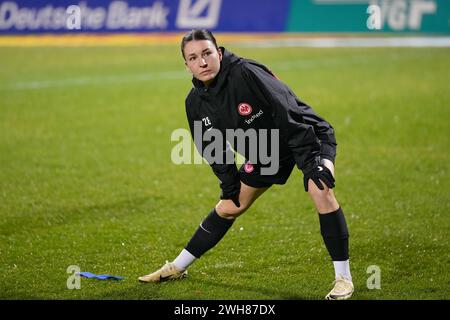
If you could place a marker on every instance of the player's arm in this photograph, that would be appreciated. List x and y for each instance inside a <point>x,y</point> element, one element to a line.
<point>323,130</point>
<point>295,121</point>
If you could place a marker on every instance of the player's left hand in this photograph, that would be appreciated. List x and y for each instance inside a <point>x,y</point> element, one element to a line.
<point>233,197</point>
<point>318,175</point>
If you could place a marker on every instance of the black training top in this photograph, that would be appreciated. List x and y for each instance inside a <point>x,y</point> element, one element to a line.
<point>245,95</point>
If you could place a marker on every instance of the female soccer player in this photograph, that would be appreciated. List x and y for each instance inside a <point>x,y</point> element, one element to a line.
<point>231,92</point>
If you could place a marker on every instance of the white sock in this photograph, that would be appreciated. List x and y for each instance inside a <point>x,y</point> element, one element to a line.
<point>342,268</point>
<point>184,260</point>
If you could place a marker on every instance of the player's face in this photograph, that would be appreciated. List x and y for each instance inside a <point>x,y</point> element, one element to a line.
<point>203,60</point>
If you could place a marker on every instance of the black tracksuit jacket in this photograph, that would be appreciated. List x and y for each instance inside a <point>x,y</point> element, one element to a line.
<point>304,136</point>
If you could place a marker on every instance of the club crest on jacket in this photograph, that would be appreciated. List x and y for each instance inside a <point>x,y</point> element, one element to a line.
<point>244,109</point>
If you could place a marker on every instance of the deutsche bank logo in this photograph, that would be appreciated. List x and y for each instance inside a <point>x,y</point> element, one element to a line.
<point>198,14</point>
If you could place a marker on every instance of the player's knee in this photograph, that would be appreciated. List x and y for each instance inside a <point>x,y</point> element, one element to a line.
<point>324,200</point>
<point>322,196</point>
<point>229,210</point>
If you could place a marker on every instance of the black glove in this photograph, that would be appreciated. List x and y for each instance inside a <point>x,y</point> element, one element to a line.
<point>233,197</point>
<point>317,174</point>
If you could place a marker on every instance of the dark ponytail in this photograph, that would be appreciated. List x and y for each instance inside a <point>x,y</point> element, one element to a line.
<point>197,34</point>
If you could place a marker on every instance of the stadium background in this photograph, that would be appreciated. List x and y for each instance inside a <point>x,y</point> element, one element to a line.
<point>86,177</point>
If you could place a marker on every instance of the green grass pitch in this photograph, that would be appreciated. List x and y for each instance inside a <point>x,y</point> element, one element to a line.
<point>86,177</point>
